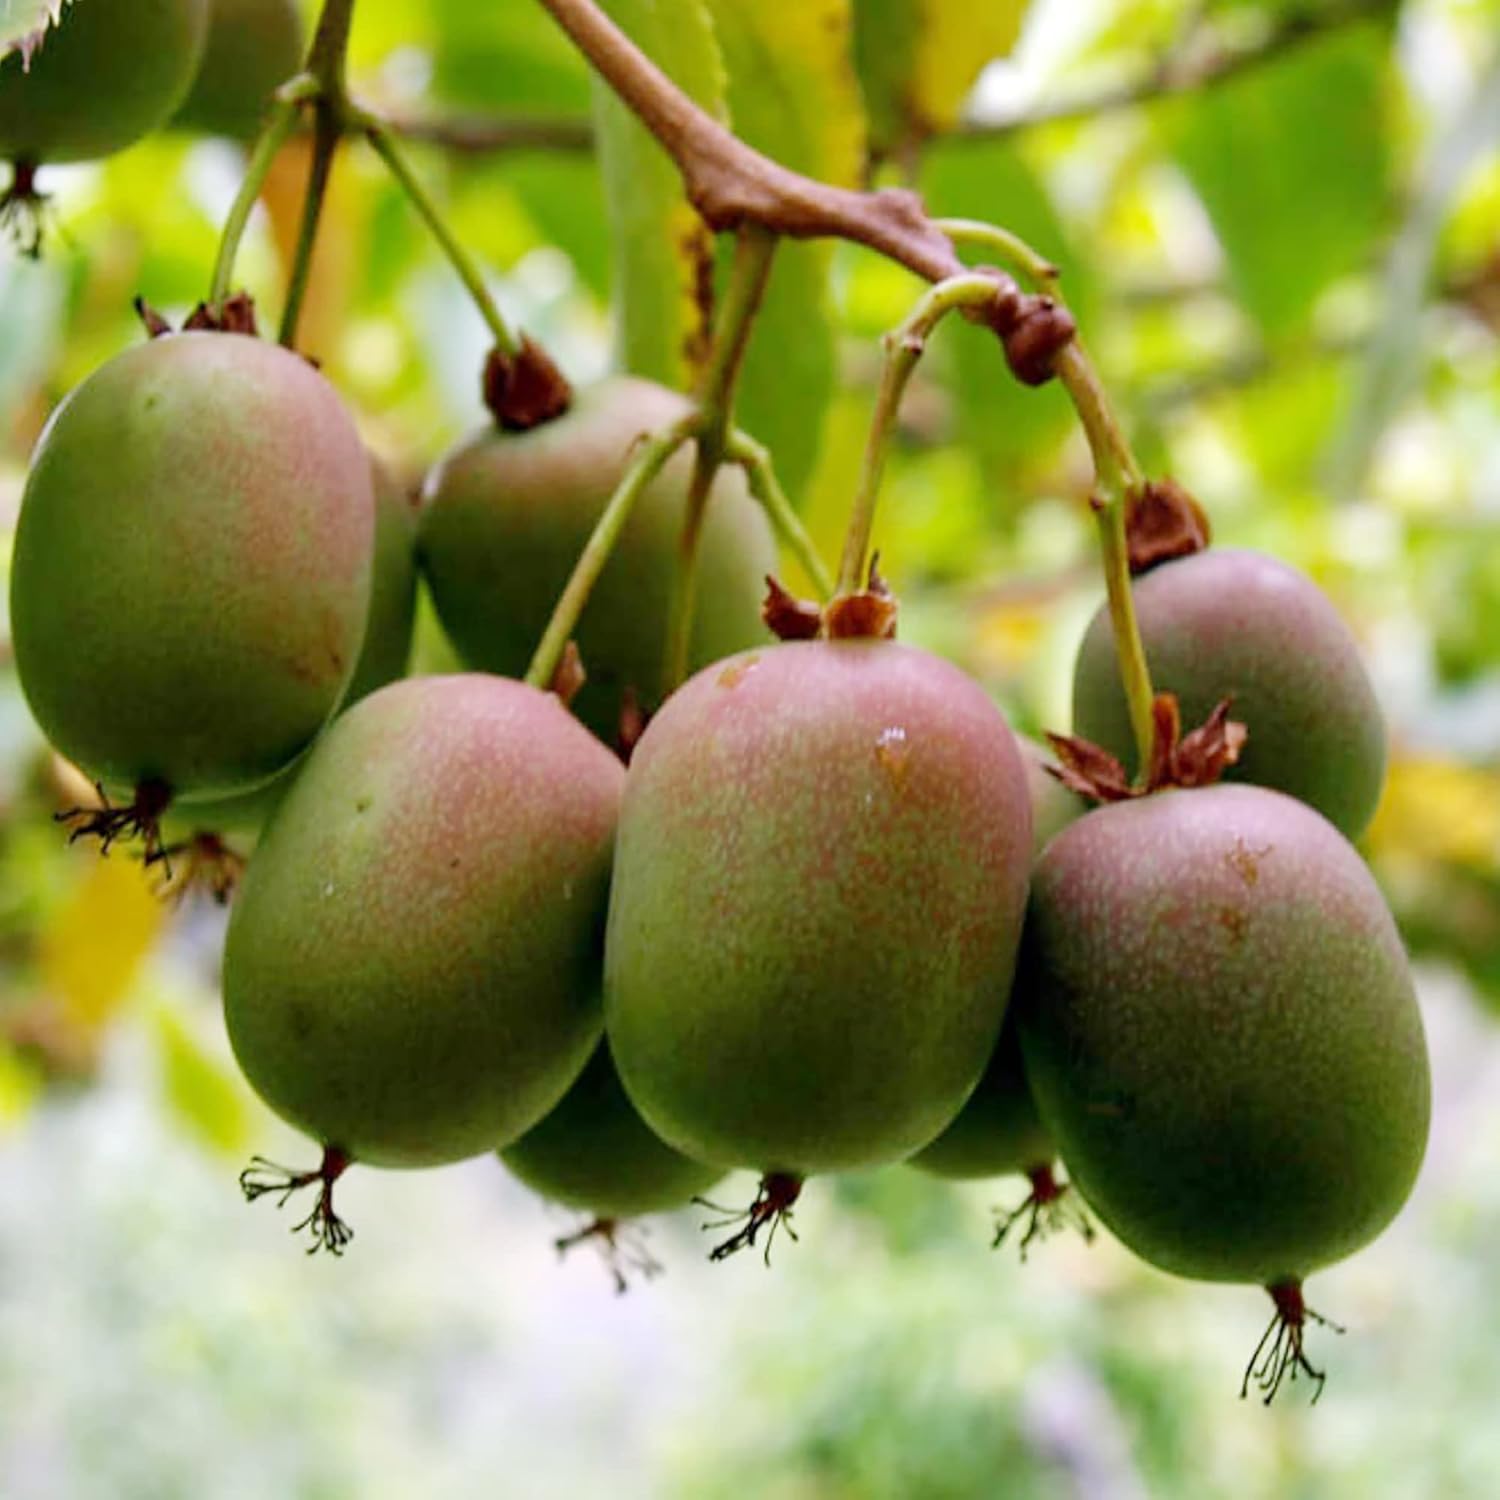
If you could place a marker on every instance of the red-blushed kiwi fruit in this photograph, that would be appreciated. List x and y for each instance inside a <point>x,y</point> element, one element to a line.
<point>252,48</point>
<point>1221,1034</point>
<point>594,1152</point>
<point>101,78</point>
<point>411,974</point>
<point>1244,626</point>
<point>192,565</point>
<point>507,513</point>
<point>382,658</point>
<point>819,884</point>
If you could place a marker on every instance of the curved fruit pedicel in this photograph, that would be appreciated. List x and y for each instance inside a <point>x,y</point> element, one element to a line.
<point>412,969</point>
<point>820,877</point>
<point>1243,626</point>
<point>102,78</point>
<point>187,611</point>
<point>507,513</point>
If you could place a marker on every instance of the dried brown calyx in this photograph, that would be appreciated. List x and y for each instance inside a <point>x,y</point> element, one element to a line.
<point>868,613</point>
<point>23,210</point>
<point>621,1246</point>
<point>328,1231</point>
<point>1163,522</point>
<point>1199,758</point>
<point>236,314</point>
<point>1049,1208</point>
<point>1280,1355</point>
<point>771,1210</point>
<point>569,676</point>
<point>140,818</point>
<point>524,389</point>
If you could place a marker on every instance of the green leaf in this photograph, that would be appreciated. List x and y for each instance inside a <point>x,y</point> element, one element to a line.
<point>918,59</point>
<point>202,1093</point>
<point>794,96</point>
<point>663,253</point>
<point>24,23</point>
<point>1292,163</point>
<point>511,57</point>
<point>1002,420</point>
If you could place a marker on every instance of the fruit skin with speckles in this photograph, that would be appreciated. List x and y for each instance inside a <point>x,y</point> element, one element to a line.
<point>594,1152</point>
<point>507,513</point>
<point>252,48</point>
<point>192,565</point>
<point>1240,625</point>
<point>1221,1034</point>
<point>382,658</point>
<point>411,972</point>
<point>103,77</point>
<point>819,884</point>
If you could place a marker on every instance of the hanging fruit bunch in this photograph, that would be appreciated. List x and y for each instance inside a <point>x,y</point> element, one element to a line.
<point>684,873</point>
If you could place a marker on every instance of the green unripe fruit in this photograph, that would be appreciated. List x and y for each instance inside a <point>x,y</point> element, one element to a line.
<point>192,565</point>
<point>253,47</point>
<point>819,886</point>
<point>1220,1033</point>
<point>104,76</point>
<point>411,973</point>
<point>382,659</point>
<point>506,515</point>
<point>1226,624</point>
<point>998,1130</point>
<point>595,1153</point>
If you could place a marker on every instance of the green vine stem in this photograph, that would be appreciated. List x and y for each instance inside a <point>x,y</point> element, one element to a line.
<point>282,121</point>
<point>390,152</point>
<point>326,136</point>
<point>903,348</point>
<point>1118,475</point>
<point>760,474</point>
<point>753,252</point>
<point>650,458</point>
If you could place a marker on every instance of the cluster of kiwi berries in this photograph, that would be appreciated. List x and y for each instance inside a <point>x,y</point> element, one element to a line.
<point>818,910</point>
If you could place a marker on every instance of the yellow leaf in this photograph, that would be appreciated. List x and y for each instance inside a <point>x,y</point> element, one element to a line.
<point>201,1092</point>
<point>19,1086</point>
<point>94,943</point>
<point>957,38</point>
<point>1439,810</point>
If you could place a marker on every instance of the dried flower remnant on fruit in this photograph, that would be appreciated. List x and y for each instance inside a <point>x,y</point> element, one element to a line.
<point>23,210</point>
<point>140,818</point>
<point>1049,1208</point>
<point>1199,758</point>
<point>787,617</point>
<point>569,675</point>
<point>622,1248</point>
<point>524,389</point>
<point>773,1204</point>
<point>632,725</point>
<point>869,614</point>
<point>328,1231</point>
<point>203,862</point>
<point>236,314</point>
<point>1280,1353</point>
<point>1163,522</point>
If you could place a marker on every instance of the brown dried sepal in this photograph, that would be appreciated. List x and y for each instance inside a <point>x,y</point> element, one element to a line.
<point>236,314</point>
<point>152,321</point>
<point>1199,758</point>
<point>140,818</point>
<point>787,617</point>
<point>870,614</point>
<point>569,675</point>
<point>633,721</point>
<point>1163,522</point>
<point>525,389</point>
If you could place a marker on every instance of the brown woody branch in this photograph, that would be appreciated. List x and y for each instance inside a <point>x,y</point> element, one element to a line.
<point>479,134</point>
<point>731,184</point>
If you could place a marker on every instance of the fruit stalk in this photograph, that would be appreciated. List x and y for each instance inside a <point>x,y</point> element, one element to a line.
<point>282,121</point>
<point>649,461</point>
<point>384,142</point>
<point>753,252</point>
<point>903,348</point>
<point>1117,473</point>
<point>760,474</point>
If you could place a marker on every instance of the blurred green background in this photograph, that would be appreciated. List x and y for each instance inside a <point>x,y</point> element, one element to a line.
<point>1280,227</point>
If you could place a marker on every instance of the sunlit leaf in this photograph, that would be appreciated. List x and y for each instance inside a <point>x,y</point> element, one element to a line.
<point>793,95</point>
<point>202,1093</point>
<point>94,943</point>
<point>663,254</point>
